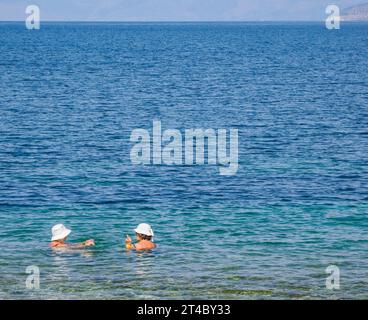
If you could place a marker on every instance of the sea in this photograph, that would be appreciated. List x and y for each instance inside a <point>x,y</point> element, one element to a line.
<point>292,223</point>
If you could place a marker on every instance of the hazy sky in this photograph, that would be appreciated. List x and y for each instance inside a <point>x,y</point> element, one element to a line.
<point>172,10</point>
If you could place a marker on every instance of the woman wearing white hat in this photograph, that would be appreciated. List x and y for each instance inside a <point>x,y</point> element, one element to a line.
<point>59,235</point>
<point>144,234</point>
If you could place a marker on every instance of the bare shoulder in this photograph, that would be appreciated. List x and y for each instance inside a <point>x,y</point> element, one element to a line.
<point>146,245</point>
<point>55,244</point>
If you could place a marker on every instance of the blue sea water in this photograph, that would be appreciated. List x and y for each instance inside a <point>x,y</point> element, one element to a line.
<point>70,95</point>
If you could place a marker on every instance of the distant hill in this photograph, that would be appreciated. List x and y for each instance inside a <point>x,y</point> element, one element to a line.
<point>355,13</point>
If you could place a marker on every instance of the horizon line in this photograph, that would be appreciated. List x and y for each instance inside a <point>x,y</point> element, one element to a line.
<point>165,21</point>
<point>175,21</point>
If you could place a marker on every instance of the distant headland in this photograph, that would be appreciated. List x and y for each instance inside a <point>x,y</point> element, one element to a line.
<point>355,13</point>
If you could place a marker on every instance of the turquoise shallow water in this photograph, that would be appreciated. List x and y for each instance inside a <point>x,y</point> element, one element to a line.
<point>70,95</point>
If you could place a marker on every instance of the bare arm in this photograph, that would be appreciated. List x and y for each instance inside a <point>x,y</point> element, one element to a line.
<point>128,243</point>
<point>84,244</point>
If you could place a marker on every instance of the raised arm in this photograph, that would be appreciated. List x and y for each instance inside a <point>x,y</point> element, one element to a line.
<point>128,243</point>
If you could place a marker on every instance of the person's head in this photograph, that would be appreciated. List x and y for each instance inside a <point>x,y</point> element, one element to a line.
<point>144,232</point>
<point>59,232</point>
<point>141,236</point>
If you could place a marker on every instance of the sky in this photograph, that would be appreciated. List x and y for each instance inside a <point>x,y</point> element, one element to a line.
<point>172,10</point>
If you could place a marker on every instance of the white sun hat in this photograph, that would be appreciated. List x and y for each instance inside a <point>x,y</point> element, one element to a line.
<point>59,231</point>
<point>144,228</point>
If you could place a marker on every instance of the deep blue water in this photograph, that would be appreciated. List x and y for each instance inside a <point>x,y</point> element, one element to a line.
<point>70,95</point>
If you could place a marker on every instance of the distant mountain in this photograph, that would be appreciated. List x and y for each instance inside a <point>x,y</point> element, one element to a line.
<point>355,13</point>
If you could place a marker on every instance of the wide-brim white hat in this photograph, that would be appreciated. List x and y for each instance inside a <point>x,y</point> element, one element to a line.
<point>59,232</point>
<point>144,228</point>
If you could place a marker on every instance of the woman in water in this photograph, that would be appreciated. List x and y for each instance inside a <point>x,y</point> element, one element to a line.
<point>144,234</point>
<point>59,235</point>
